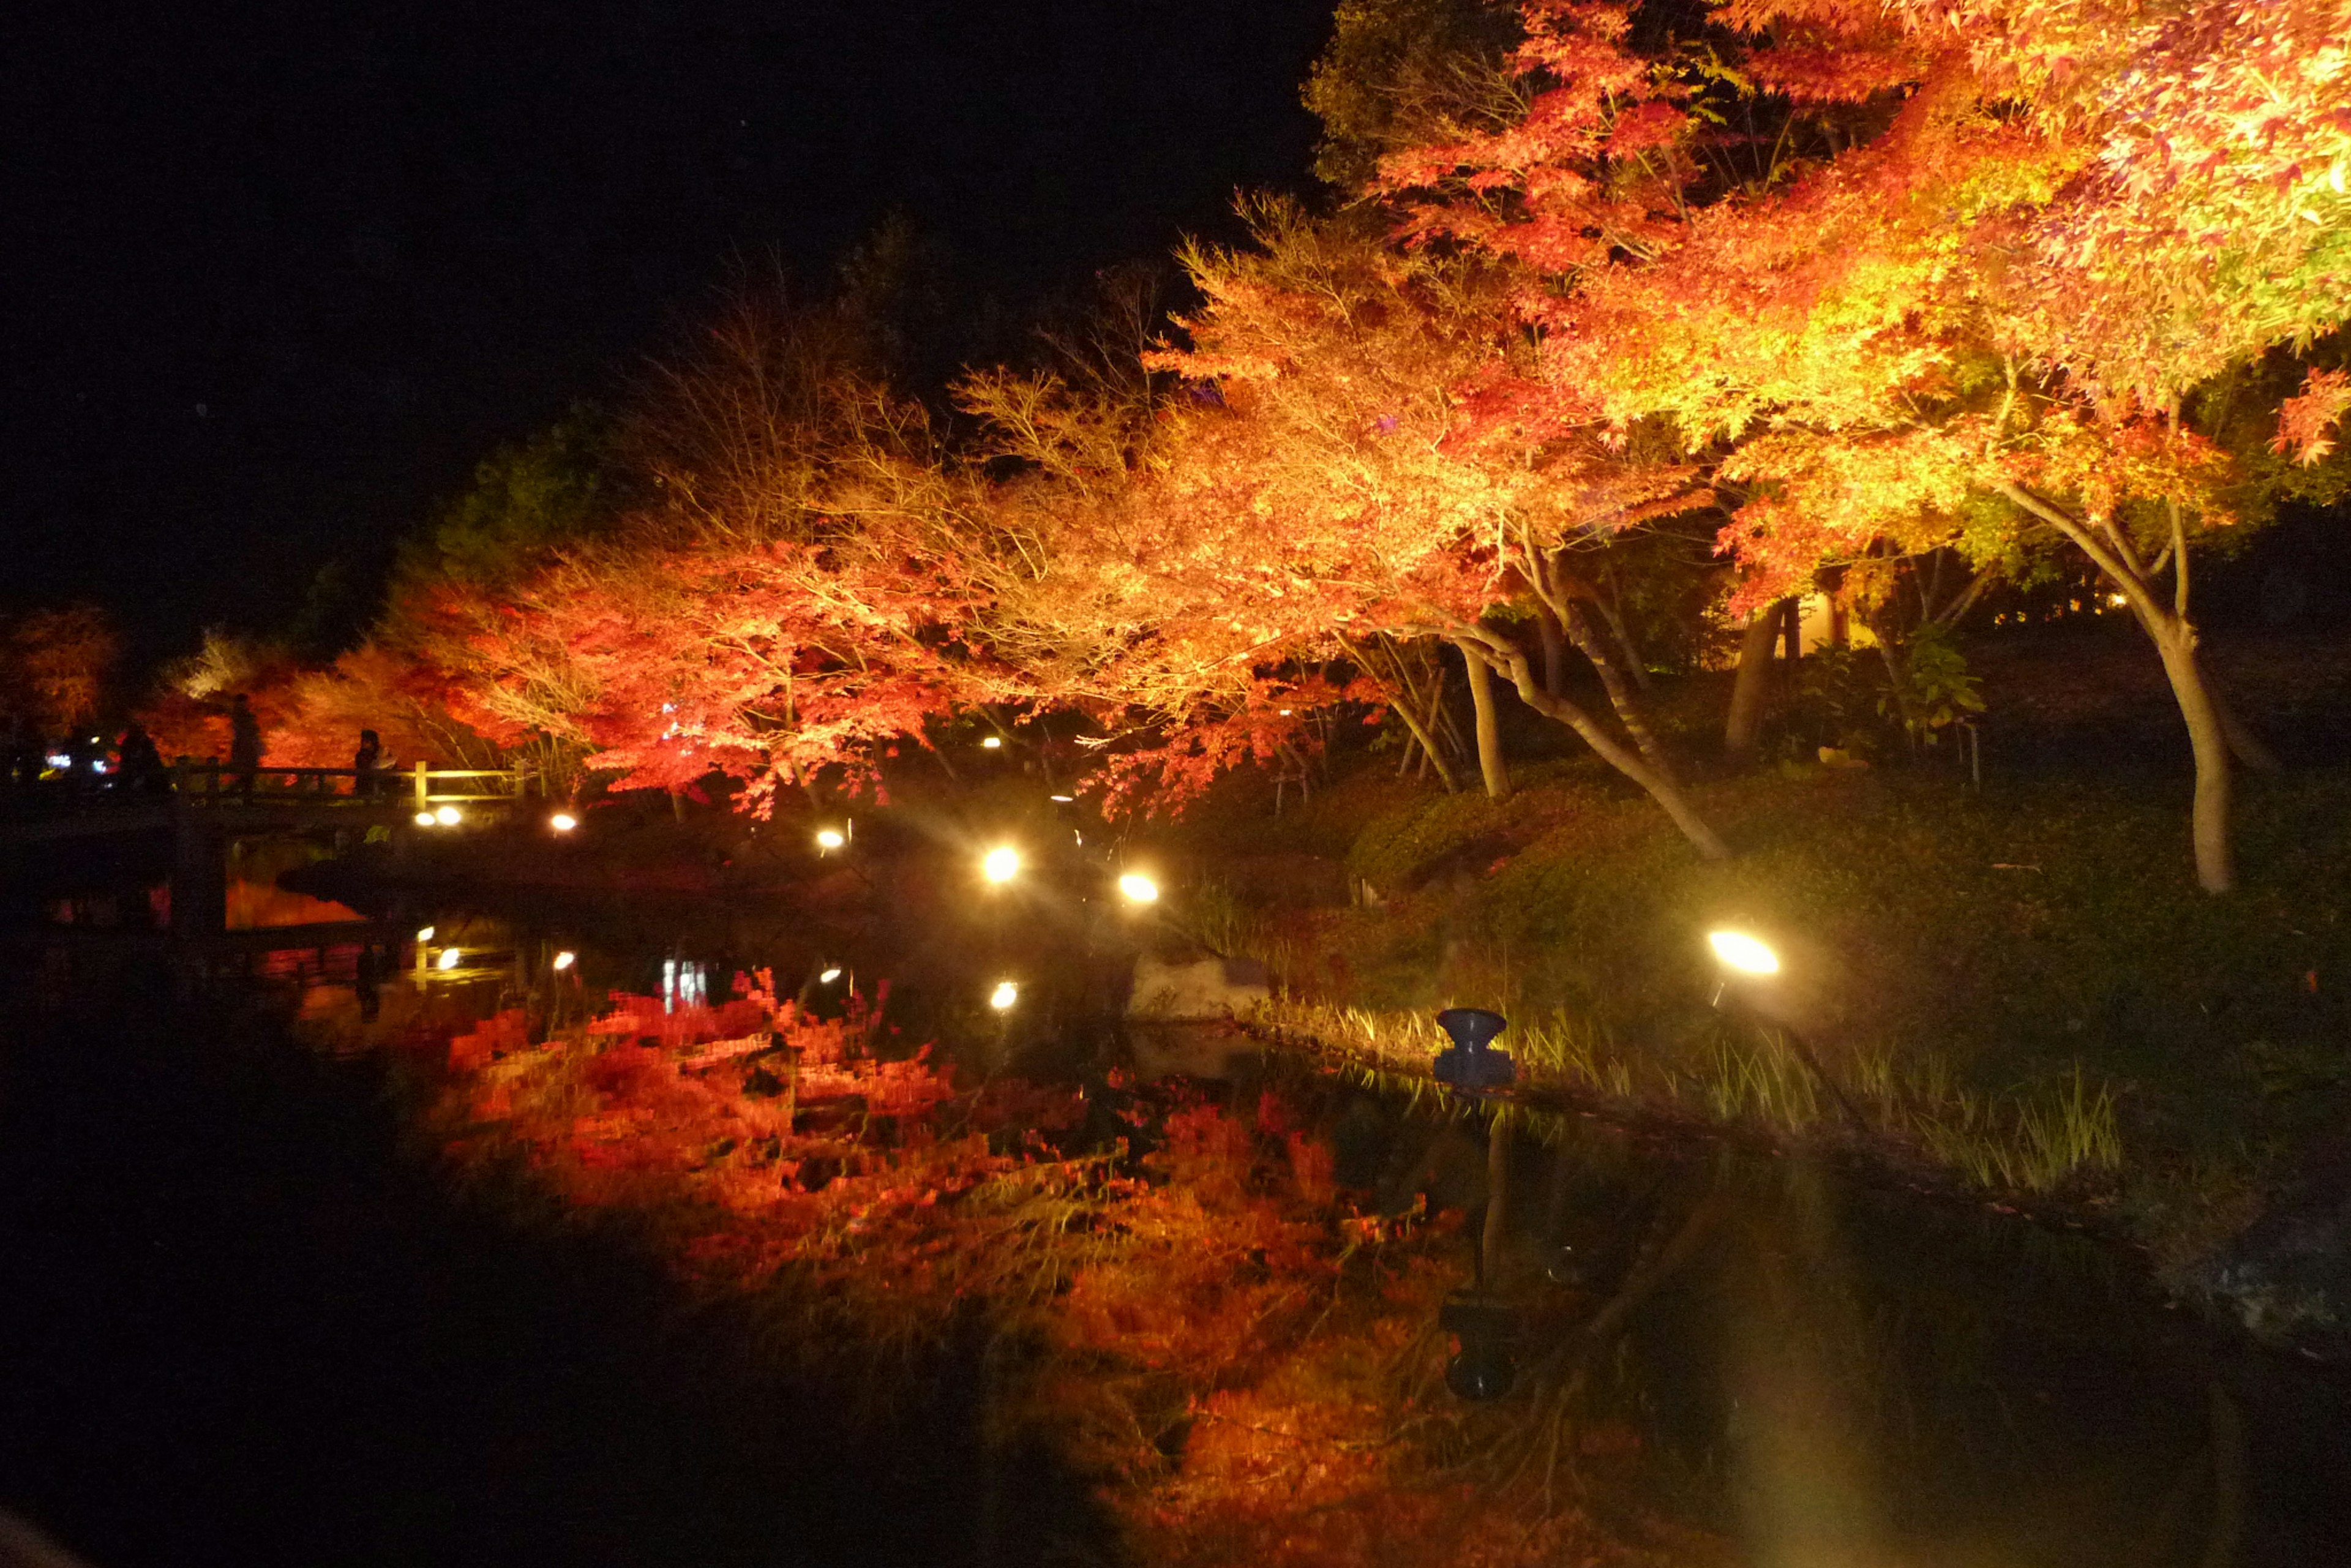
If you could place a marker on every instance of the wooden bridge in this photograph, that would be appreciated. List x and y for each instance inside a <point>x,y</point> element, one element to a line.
<point>206,807</point>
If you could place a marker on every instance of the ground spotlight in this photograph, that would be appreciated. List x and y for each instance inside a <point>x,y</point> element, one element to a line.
<point>563,822</point>
<point>1137,888</point>
<point>1000,864</point>
<point>1747,955</point>
<point>449,959</point>
<point>565,960</point>
<point>1005,994</point>
<point>448,816</point>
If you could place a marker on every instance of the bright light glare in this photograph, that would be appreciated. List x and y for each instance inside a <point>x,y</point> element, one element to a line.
<point>1004,995</point>
<point>830,839</point>
<point>1138,888</point>
<point>1002,863</point>
<point>60,759</point>
<point>2117,599</point>
<point>425,933</point>
<point>565,960</point>
<point>563,822</point>
<point>993,743</point>
<point>449,958</point>
<point>448,816</point>
<point>827,977</point>
<point>425,819</point>
<point>1063,800</point>
<point>1749,955</point>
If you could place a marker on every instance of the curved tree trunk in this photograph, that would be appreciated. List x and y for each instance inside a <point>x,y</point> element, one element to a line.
<point>1489,729</point>
<point>1554,649</point>
<point>2207,737</point>
<point>1493,649</point>
<point>2174,635</point>
<point>1750,688</point>
<point>2243,744</point>
<point>1629,709</point>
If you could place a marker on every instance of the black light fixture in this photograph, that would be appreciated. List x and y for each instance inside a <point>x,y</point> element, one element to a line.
<point>1470,1065</point>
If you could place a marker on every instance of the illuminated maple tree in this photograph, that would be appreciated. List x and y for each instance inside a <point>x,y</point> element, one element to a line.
<point>1978,315</point>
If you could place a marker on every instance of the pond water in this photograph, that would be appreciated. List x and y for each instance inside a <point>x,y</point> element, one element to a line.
<point>253,1317</point>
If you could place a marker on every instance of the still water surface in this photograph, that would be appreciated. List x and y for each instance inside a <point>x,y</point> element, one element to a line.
<point>246,1319</point>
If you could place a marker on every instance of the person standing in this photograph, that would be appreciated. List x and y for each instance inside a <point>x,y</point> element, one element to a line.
<point>243,743</point>
<point>138,766</point>
<point>366,765</point>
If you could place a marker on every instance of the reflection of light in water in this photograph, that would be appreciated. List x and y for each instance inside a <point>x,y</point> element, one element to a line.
<point>683,984</point>
<point>449,958</point>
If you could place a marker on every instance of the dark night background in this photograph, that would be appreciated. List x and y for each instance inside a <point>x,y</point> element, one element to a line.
<point>280,273</point>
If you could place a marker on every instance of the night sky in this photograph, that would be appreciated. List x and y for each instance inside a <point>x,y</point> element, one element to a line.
<point>280,271</point>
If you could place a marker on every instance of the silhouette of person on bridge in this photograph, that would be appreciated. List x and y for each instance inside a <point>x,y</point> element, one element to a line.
<point>138,766</point>
<point>243,743</point>
<point>368,763</point>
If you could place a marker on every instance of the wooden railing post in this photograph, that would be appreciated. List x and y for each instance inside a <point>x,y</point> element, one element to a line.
<point>420,784</point>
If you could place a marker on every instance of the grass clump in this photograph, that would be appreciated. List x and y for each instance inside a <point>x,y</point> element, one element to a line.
<point>2059,1136</point>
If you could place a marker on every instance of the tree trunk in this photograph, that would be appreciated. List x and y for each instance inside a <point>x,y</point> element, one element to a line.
<point>2174,636</point>
<point>2244,743</point>
<point>1792,622</point>
<point>1489,729</point>
<point>1629,711</point>
<point>1554,649</point>
<point>2207,737</point>
<point>1635,665</point>
<point>1750,688</point>
<point>1514,662</point>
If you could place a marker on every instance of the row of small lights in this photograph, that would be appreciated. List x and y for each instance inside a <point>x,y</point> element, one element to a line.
<point>2096,606</point>
<point>449,817</point>
<point>452,956</point>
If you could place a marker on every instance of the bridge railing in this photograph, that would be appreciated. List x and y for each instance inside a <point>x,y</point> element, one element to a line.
<point>420,786</point>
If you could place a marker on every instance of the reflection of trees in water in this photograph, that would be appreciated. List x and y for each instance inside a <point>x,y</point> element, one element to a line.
<point>1178,1294</point>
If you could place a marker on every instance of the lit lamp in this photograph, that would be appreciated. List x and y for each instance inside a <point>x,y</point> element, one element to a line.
<point>563,822</point>
<point>829,840</point>
<point>1137,888</point>
<point>1746,960</point>
<point>565,960</point>
<point>1000,864</point>
<point>1005,996</point>
<point>450,958</point>
<point>448,816</point>
<point>992,742</point>
<point>830,976</point>
<point>1743,958</point>
<point>425,819</point>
